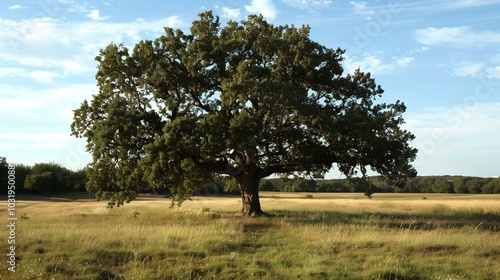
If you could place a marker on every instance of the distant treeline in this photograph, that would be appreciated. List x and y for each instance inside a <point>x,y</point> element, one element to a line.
<point>52,177</point>
<point>43,178</point>
<point>419,184</point>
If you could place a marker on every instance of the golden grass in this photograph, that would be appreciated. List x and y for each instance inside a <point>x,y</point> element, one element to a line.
<point>392,236</point>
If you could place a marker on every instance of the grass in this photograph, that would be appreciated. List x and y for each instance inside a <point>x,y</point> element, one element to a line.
<point>306,236</point>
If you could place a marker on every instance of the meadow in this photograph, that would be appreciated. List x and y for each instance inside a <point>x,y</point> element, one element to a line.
<point>305,236</point>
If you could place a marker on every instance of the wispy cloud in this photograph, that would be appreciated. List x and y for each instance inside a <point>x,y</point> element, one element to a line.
<point>74,6</point>
<point>264,7</point>
<point>10,71</point>
<point>470,3</point>
<point>48,106</point>
<point>231,13</point>
<point>361,8</point>
<point>15,7</point>
<point>41,76</point>
<point>422,49</point>
<point>493,72</point>
<point>69,47</point>
<point>404,61</point>
<point>455,37</point>
<point>309,5</point>
<point>374,64</point>
<point>468,69</point>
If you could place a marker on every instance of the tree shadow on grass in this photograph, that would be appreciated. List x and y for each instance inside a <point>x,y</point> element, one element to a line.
<point>484,221</point>
<point>54,197</point>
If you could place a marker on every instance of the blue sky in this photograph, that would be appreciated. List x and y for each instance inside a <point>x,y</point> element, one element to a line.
<point>442,58</point>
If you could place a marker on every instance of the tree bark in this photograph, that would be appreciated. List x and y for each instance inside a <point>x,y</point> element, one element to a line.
<point>248,183</point>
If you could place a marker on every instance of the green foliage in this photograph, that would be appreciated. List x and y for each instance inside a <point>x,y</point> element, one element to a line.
<point>492,186</point>
<point>301,185</point>
<point>4,168</point>
<point>460,185</point>
<point>42,182</point>
<point>266,185</point>
<point>474,185</point>
<point>420,184</point>
<point>176,111</point>
<point>450,184</point>
<point>442,186</point>
<point>22,172</point>
<point>77,180</point>
<point>50,177</point>
<point>45,177</point>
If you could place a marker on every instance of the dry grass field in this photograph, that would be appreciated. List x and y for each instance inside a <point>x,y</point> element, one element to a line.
<point>305,236</point>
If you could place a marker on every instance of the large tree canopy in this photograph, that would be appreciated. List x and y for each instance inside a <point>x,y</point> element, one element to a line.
<point>247,99</point>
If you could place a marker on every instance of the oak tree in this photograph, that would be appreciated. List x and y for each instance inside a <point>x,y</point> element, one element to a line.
<point>246,99</point>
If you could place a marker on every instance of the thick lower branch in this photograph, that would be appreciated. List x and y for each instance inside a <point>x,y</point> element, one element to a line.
<point>281,168</point>
<point>220,166</point>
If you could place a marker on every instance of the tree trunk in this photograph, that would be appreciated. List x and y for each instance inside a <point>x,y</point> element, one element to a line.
<point>248,183</point>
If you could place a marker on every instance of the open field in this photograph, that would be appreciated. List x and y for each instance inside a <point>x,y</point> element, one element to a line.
<point>306,236</point>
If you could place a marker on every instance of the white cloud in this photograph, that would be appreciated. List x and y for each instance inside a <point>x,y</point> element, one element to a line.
<point>495,58</point>
<point>309,5</point>
<point>418,50</point>
<point>68,47</point>
<point>476,69</point>
<point>404,61</point>
<point>14,105</point>
<point>455,37</point>
<point>95,15</point>
<point>493,72</point>
<point>36,42</point>
<point>74,6</point>
<point>40,76</point>
<point>231,13</point>
<point>264,7</point>
<point>362,9</point>
<point>368,63</point>
<point>10,71</point>
<point>459,4</point>
<point>15,7</point>
<point>468,69</point>
<point>374,64</point>
<point>422,49</point>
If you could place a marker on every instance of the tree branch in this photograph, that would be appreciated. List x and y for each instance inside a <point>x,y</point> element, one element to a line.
<point>282,168</point>
<point>217,166</point>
